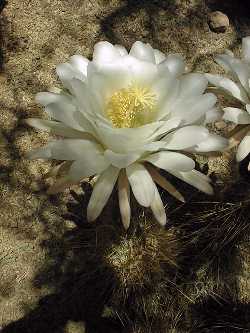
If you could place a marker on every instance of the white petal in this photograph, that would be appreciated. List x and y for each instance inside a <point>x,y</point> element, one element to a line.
<point>246,48</point>
<point>60,107</point>
<point>243,149</point>
<point>83,95</point>
<point>196,179</point>
<point>142,52</point>
<point>121,160</point>
<point>124,140</point>
<point>79,63</point>
<point>158,208</point>
<point>141,183</point>
<point>55,90</point>
<point>213,115</point>
<point>87,103</point>
<point>137,71</point>
<point>193,109</point>
<point>248,108</point>
<point>67,72</point>
<point>124,199</point>
<point>154,146</point>
<point>105,52</point>
<point>45,98</point>
<point>225,60</point>
<point>166,89</point>
<point>74,149</point>
<point>55,127</point>
<point>186,137</point>
<point>192,84</point>
<point>163,84</point>
<point>91,163</point>
<point>141,72</point>
<point>213,143</point>
<point>168,126</point>
<point>122,50</point>
<point>68,149</point>
<point>101,192</point>
<point>170,160</point>
<point>174,63</point>
<point>236,115</point>
<point>201,176</point>
<point>85,123</point>
<point>104,80</point>
<point>159,56</point>
<point>239,69</point>
<point>40,153</point>
<point>228,85</point>
<point>63,112</point>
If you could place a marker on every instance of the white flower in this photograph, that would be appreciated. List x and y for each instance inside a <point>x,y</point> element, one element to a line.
<point>239,89</point>
<point>124,116</point>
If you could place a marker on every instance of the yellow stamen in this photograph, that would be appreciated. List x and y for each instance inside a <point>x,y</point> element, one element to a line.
<point>131,107</point>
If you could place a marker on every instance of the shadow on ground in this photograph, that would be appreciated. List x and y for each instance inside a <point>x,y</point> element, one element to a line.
<point>211,231</point>
<point>132,8</point>
<point>81,279</point>
<point>2,5</point>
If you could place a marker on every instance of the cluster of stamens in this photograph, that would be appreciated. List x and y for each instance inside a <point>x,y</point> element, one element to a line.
<point>131,107</point>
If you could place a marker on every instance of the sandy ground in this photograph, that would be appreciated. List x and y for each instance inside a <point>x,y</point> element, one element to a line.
<point>36,35</point>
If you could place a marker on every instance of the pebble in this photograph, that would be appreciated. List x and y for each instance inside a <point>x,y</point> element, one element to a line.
<point>218,21</point>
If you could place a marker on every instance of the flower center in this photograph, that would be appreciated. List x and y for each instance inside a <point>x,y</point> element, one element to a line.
<point>131,107</point>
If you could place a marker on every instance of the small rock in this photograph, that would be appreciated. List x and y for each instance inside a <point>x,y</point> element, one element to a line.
<point>218,21</point>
